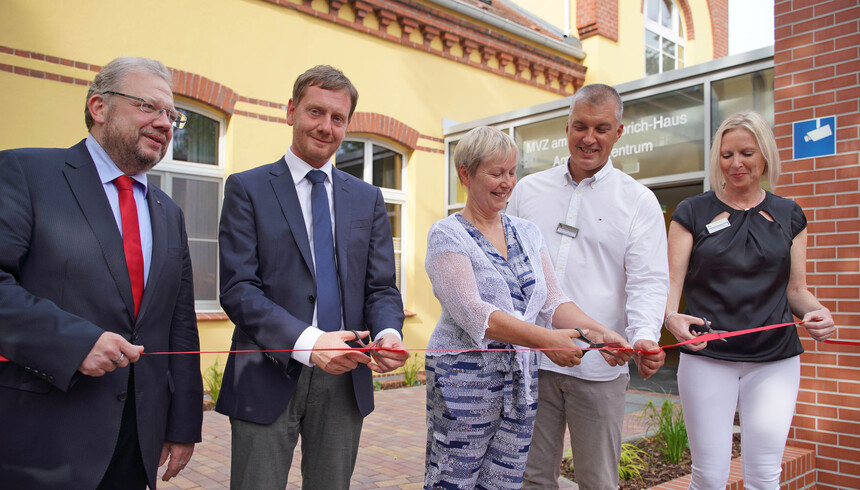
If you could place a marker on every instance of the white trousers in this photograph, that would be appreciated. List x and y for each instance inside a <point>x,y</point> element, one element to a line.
<point>764,394</point>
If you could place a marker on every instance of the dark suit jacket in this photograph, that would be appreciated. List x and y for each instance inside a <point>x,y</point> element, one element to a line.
<point>63,282</point>
<point>268,288</point>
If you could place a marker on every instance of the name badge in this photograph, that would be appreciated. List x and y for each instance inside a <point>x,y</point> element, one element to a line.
<point>718,225</point>
<point>567,230</point>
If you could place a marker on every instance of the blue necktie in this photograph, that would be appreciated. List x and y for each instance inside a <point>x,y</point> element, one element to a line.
<point>328,292</point>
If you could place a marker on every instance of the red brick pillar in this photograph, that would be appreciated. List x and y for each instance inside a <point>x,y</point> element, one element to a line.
<point>816,74</point>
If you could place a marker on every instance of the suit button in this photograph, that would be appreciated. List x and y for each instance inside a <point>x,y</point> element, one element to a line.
<point>311,298</point>
<point>122,396</point>
<point>134,338</point>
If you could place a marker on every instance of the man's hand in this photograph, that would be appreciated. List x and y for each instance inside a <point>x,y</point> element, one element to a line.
<point>180,454</point>
<point>648,363</point>
<point>110,351</point>
<point>388,360</point>
<point>613,357</point>
<point>342,360</point>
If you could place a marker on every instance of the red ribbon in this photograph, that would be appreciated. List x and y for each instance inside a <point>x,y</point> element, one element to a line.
<point>701,338</point>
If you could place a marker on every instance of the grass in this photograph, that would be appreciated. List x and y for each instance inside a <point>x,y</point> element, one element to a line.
<point>411,369</point>
<point>669,430</point>
<point>212,379</point>
<point>630,466</point>
<point>632,462</point>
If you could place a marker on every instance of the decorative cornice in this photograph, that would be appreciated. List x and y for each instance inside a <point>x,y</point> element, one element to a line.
<point>224,99</point>
<point>452,37</point>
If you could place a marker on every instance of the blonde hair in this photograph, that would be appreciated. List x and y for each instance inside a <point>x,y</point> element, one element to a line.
<point>760,129</point>
<point>480,145</point>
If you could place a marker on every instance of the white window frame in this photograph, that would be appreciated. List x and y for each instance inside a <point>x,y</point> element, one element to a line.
<point>168,168</point>
<point>391,196</point>
<point>664,32</point>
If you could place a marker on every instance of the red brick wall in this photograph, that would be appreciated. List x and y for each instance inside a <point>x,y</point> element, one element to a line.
<point>597,18</point>
<point>816,74</point>
<point>720,26</point>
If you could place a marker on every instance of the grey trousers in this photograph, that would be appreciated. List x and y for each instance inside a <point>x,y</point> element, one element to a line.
<point>593,411</point>
<point>324,413</point>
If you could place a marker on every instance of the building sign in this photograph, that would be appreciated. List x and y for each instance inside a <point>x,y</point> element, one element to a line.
<point>662,135</point>
<point>814,137</point>
<point>542,145</point>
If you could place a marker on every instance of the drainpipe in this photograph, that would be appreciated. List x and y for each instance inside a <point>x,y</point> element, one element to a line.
<point>566,17</point>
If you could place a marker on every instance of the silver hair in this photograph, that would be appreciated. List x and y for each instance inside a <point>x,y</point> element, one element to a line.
<point>597,94</point>
<point>480,145</point>
<point>112,74</point>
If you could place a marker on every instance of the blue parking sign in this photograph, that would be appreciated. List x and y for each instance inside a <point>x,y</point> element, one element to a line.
<point>815,137</point>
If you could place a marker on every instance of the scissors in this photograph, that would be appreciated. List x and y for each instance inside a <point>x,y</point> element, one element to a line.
<point>706,328</point>
<point>602,346</point>
<point>362,344</point>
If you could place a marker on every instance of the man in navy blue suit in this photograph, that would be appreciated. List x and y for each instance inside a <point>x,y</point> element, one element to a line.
<point>307,264</point>
<point>94,267</point>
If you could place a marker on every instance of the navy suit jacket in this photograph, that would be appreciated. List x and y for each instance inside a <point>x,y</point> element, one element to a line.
<point>268,288</point>
<point>63,282</point>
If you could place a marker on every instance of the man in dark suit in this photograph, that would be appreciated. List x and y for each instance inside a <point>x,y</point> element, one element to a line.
<point>94,267</point>
<point>286,285</point>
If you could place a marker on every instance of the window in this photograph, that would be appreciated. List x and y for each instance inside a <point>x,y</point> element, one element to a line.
<point>192,173</point>
<point>385,168</point>
<point>664,37</point>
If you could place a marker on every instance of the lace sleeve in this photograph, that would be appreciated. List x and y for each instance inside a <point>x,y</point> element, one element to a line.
<point>554,294</point>
<point>453,277</point>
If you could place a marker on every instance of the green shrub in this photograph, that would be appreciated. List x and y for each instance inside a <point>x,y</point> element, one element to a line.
<point>632,462</point>
<point>411,369</point>
<point>669,430</point>
<point>212,379</point>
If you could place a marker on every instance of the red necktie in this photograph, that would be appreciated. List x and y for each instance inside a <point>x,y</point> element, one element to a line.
<point>131,237</point>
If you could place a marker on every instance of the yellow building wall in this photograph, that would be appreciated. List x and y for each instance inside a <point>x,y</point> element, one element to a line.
<point>615,62</point>
<point>257,49</point>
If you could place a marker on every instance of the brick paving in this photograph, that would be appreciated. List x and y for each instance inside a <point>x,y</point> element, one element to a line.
<point>391,454</point>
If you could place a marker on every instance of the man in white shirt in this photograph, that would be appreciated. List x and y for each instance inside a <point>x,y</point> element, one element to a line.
<point>606,235</point>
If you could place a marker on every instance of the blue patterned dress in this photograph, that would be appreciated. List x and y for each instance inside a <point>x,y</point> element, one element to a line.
<point>481,405</point>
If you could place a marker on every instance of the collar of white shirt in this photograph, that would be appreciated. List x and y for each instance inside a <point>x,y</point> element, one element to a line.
<point>594,181</point>
<point>299,168</point>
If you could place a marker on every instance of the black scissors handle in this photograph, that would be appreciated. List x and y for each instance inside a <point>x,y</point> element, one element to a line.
<point>701,329</point>
<point>706,328</point>
<point>601,346</point>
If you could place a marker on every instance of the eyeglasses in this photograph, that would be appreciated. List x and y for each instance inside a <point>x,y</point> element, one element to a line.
<point>177,119</point>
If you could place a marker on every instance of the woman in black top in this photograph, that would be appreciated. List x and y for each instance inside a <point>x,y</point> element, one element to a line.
<point>738,253</point>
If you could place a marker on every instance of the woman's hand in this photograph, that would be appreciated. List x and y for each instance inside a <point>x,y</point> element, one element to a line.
<point>819,324</point>
<point>679,325</point>
<point>561,339</point>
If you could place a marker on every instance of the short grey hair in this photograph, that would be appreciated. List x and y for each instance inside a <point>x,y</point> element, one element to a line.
<point>483,144</point>
<point>756,124</point>
<point>598,94</point>
<point>112,74</point>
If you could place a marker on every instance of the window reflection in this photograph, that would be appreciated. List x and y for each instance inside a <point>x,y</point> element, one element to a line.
<point>198,141</point>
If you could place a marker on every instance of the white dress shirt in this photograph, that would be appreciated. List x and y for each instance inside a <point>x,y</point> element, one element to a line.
<point>299,170</point>
<point>616,267</point>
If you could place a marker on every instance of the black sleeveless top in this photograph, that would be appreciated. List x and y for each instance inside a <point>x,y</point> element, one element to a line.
<point>738,276</point>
